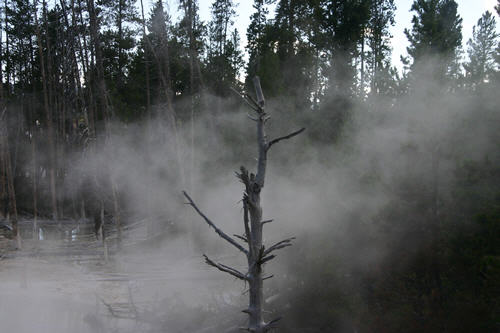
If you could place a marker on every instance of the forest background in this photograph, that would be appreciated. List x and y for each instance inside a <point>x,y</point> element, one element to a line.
<point>393,190</point>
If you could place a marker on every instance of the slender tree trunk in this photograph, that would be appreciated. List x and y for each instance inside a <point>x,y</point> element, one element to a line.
<point>192,55</point>
<point>362,69</point>
<point>48,114</point>
<point>34,179</point>
<point>3,184</point>
<point>103,233</point>
<point>7,52</point>
<point>3,189</point>
<point>8,188</point>
<point>108,113</point>
<point>163,64</point>
<point>146,63</point>
<point>436,225</point>
<point>5,152</point>
<point>117,212</point>
<point>120,38</point>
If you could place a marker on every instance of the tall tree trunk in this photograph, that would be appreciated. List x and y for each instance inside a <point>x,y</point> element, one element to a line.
<point>3,188</point>
<point>108,114</point>
<point>48,114</point>
<point>34,179</point>
<point>146,63</point>
<point>163,64</point>
<point>7,52</point>
<point>120,39</point>
<point>192,56</point>
<point>362,69</point>
<point>5,153</point>
<point>3,183</point>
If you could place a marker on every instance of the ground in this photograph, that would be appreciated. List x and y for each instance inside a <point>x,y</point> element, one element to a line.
<point>66,285</point>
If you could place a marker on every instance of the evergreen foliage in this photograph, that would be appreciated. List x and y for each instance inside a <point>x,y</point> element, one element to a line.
<point>72,72</point>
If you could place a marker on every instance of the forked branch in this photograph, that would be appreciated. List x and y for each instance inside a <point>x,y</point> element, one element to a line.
<point>248,100</point>
<point>211,224</point>
<point>279,245</point>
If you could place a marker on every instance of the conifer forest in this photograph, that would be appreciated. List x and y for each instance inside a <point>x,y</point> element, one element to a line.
<point>158,174</point>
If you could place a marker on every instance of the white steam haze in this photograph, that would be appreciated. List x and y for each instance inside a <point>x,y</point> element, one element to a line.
<point>328,196</point>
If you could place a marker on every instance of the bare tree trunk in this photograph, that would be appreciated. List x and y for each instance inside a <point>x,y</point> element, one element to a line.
<point>362,69</point>
<point>108,114</point>
<point>103,234</point>
<point>257,255</point>
<point>48,113</point>
<point>8,191</point>
<point>146,63</point>
<point>117,215</point>
<point>3,193</point>
<point>34,179</point>
<point>5,152</point>
<point>120,38</point>
<point>192,56</point>
<point>3,183</point>
<point>163,63</point>
<point>7,50</point>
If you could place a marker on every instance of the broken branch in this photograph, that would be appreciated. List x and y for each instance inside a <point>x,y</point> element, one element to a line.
<point>266,221</point>
<point>241,237</point>
<point>258,92</point>
<point>224,268</point>
<point>256,107</point>
<point>279,245</point>
<point>271,324</point>
<point>252,118</point>
<point>291,135</point>
<point>211,224</point>
<point>245,99</point>
<point>266,259</point>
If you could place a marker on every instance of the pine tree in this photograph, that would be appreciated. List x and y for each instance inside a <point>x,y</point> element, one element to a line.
<point>378,40</point>
<point>482,50</point>
<point>191,32</point>
<point>436,33</point>
<point>290,33</point>
<point>158,49</point>
<point>224,58</point>
<point>20,30</point>
<point>121,18</point>
<point>255,43</point>
<point>341,29</point>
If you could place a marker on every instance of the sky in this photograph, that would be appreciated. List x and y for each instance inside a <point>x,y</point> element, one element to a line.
<point>469,10</point>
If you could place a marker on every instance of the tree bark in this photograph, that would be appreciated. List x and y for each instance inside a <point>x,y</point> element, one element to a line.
<point>5,152</point>
<point>7,50</point>
<point>108,115</point>
<point>146,64</point>
<point>48,114</point>
<point>34,179</point>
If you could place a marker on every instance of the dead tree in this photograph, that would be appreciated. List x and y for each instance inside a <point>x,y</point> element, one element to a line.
<point>257,254</point>
<point>7,164</point>
<point>46,72</point>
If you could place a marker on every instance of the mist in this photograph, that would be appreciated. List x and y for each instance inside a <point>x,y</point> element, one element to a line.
<point>342,202</point>
<point>123,137</point>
